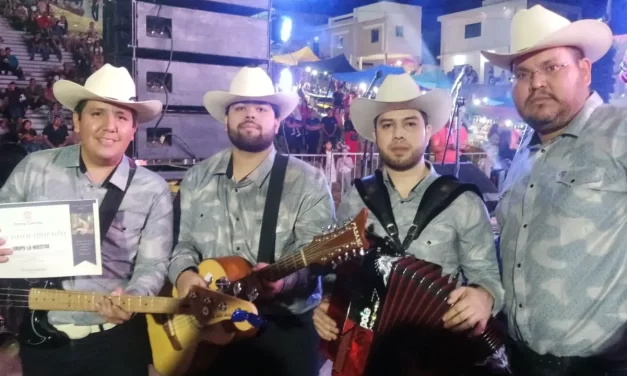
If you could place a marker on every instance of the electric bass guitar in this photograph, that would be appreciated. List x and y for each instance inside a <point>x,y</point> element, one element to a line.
<point>175,339</point>
<point>32,304</point>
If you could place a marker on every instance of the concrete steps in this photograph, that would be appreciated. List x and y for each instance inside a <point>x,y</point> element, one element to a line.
<point>37,69</point>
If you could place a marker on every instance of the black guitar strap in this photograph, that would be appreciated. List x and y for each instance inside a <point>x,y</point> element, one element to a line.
<point>438,196</point>
<point>112,201</point>
<point>267,237</point>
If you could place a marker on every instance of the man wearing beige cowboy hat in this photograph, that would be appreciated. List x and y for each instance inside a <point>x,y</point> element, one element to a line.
<point>564,202</point>
<point>400,121</point>
<point>135,220</point>
<point>224,212</point>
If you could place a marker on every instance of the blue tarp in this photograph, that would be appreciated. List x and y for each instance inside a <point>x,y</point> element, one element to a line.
<point>367,75</point>
<point>435,79</point>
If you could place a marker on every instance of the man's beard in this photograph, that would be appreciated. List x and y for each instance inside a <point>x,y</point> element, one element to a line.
<point>249,143</point>
<point>542,122</point>
<point>404,164</point>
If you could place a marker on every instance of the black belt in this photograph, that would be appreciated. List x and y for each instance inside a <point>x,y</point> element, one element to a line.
<point>522,354</point>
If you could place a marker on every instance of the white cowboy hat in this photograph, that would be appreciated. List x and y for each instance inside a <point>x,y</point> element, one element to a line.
<point>249,84</point>
<point>107,84</point>
<point>400,92</point>
<point>537,28</point>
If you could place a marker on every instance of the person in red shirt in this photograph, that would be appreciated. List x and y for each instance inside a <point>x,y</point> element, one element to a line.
<point>438,141</point>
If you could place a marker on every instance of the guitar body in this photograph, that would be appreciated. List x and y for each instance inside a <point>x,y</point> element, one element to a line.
<point>32,327</point>
<point>175,339</point>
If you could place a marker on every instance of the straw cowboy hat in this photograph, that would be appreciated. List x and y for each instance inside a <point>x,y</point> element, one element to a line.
<point>249,84</point>
<point>107,84</point>
<point>538,28</point>
<point>400,92</point>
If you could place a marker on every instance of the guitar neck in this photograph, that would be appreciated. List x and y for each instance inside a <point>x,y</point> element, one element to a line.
<point>285,266</point>
<point>60,300</point>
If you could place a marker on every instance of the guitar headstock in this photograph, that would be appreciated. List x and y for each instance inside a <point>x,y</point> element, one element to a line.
<point>340,243</point>
<point>212,307</point>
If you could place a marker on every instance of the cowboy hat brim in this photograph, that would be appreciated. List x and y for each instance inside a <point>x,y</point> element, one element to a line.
<point>70,94</point>
<point>216,102</point>
<point>437,104</point>
<point>592,37</point>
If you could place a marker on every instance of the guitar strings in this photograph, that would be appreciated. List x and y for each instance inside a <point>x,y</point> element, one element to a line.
<point>318,249</point>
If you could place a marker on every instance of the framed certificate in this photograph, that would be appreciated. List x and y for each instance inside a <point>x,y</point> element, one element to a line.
<point>51,239</point>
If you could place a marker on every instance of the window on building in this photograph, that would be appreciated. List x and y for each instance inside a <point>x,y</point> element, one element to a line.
<point>473,30</point>
<point>400,31</point>
<point>339,42</point>
<point>374,35</point>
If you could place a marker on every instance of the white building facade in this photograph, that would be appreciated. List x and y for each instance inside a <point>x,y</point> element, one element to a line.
<point>465,34</point>
<point>374,34</point>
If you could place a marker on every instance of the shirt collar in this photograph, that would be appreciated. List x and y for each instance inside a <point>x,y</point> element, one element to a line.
<point>578,123</point>
<point>70,157</point>
<point>432,175</point>
<point>257,176</point>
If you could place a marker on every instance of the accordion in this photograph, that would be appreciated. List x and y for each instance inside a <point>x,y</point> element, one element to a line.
<point>389,311</point>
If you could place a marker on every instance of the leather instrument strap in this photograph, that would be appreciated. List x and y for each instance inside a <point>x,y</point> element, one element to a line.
<point>267,237</point>
<point>438,196</point>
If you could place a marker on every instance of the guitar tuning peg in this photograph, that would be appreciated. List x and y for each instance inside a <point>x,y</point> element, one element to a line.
<point>333,264</point>
<point>362,252</point>
<point>329,227</point>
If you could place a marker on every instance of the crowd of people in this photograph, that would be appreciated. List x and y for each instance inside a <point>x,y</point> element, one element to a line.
<point>47,35</point>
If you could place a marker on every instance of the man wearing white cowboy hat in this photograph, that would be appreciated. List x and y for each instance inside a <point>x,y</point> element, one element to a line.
<point>564,202</point>
<point>224,212</point>
<point>136,246</point>
<point>400,121</point>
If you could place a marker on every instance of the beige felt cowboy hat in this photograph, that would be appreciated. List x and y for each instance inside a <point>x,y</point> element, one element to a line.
<point>107,84</point>
<point>400,92</point>
<point>249,84</point>
<point>538,28</point>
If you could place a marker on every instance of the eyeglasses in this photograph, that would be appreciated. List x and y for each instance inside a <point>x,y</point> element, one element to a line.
<point>547,71</point>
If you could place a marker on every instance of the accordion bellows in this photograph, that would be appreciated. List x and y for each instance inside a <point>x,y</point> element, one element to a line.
<point>393,325</point>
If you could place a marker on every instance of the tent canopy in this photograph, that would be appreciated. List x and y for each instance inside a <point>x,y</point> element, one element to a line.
<point>305,54</point>
<point>368,74</point>
<point>435,79</point>
<point>338,64</point>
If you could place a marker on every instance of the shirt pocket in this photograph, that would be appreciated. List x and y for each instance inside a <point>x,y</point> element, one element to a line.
<point>589,192</point>
<point>126,229</point>
<point>437,244</point>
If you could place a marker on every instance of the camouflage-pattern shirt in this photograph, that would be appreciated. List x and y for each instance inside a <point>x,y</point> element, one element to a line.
<point>221,217</point>
<point>138,245</point>
<point>563,215</point>
<point>459,237</point>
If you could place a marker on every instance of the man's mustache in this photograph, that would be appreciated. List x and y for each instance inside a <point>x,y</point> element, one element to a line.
<point>248,122</point>
<point>542,95</point>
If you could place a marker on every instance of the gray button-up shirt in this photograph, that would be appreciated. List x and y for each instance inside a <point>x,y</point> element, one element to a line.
<point>461,236</point>
<point>221,217</point>
<point>138,245</point>
<point>563,216</point>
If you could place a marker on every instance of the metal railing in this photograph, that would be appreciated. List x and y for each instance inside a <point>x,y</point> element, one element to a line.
<point>338,174</point>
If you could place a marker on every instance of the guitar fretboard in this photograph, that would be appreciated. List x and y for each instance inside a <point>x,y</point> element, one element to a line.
<point>60,300</point>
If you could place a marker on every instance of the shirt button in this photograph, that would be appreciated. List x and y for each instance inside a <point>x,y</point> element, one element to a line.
<point>237,219</point>
<point>525,226</point>
<point>429,242</point>
<point>531,186</point>
<point>519,265</point>
<point>520,306</point>
<point>237,249</point>
<point>542,150</point>
<point>236,190</point>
